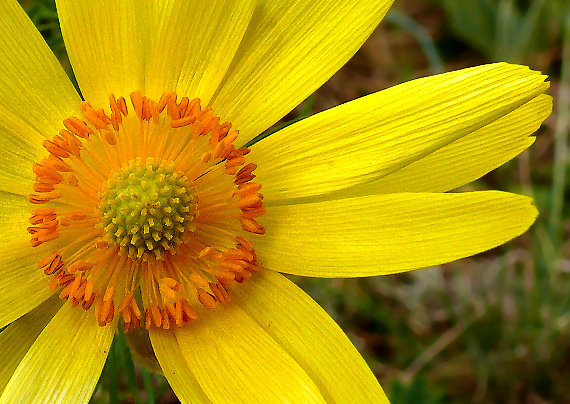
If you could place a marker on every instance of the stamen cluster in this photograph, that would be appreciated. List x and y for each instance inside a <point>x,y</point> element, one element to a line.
<point>147,208</point>
<point>146,214</point>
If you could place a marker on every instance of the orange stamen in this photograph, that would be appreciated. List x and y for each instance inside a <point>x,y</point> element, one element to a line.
<point>141,209</point>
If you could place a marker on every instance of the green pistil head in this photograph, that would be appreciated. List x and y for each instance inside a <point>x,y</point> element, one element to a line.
<point>147,209</point>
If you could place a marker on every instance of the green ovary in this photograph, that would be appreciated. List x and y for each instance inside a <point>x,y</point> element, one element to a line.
<point>147,209</point>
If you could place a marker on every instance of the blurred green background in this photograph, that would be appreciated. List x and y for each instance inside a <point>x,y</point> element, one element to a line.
<point>494,328</point>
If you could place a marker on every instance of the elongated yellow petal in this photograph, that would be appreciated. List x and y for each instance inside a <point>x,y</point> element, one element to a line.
<point>23,285</point>
<point>23,288</point>
<point>64,363</point>
<point>383,234</point>
<point>290,49</point>
<point>310,336</point>
<point>16,340</point>
<point>194,45</point>
<point>14,215</point>
<point>466,159</point>
<point>18,153</point>
<point>379,134</point>
<point>35,96</point>
<point>107,42</point>
<point>175,368</point>
<point>234,360</point>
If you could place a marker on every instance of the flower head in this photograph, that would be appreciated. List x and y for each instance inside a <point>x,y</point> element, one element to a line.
<point>139,206</point>
<point>151,206</point>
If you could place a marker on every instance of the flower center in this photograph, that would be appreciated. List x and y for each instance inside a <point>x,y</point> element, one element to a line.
<point>146,214</point>
<point>146,209</point>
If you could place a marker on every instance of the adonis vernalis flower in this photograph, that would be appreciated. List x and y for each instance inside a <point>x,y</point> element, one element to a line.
<point>137,205</point>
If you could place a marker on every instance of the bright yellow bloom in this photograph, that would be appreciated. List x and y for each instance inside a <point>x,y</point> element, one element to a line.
<point>140,208</point>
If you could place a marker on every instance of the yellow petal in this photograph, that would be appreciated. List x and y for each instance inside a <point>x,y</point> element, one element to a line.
<point>234,360</point>
<point>289,50</point>
<point>383,234</point>
<point>35,96</point>
<point>22,283</point>
<point>14,215</point>
<point>18,153</point>
<point>64,363</point>
<point>175,367</point>
<point>16,340</point>
<point>466,159</point>
<point>194,45</point>
<point>310,336</point>
<point>376,135</point>
<point>139,343</point>
<point>107,42</point>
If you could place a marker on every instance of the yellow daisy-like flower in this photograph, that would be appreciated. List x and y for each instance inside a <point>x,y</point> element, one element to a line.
<point>138,206</point>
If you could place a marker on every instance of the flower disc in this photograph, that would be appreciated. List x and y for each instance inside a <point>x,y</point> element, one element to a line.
<point>151,208</point>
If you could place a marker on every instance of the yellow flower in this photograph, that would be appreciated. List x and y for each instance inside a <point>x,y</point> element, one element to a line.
<point>139,208</point>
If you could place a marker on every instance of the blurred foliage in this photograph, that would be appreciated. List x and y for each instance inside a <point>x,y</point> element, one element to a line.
<point>507,30</point>
<point>490,329</point>
<point>124,382</point>
<point>43,14</point>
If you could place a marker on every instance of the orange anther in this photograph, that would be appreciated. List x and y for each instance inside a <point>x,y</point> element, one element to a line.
<point>221,273</point>
<point>146,112</point>
<point>137,100</point>
<point>187,310</point>
<point>79,266</point>
<point>253,213</point>
<point>208,300</point>
<point>48,259</point>
<point>54,149</point>
<point>59,165</point>
<point>43,212</point>
<point>198,280</point>
<point>178,123</point>
<point>78,127</point>
<point>95,120</point>
<point>165,319</point>
<point>156,316</point>
<point>113,103</point>
<point>248,188</point>
<point>222,295</point>
<point>40,199</point>
<point>147,319</point>
<point>89,295</point>
<point>116,120</point>
<point>39,187</point>
<point>126,315</point>
<point>125,302</point>
<point>110,138</point>
<point>105,311</point>
<point>243,178</point>
<point>47,236</point>
<point>80,291</point>
<point>252,226</point>
<point>236,254</point>
<point>122,104</point>
<point>72,180</point>
<point>249,200</point>
<point>88,301</point>
<point>135,309</point>
<point>163,101</point>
